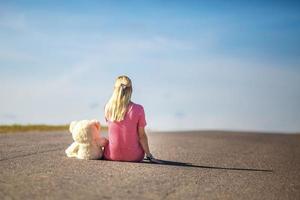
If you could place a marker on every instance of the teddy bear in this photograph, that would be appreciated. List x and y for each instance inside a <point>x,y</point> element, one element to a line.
<point>87,141</point>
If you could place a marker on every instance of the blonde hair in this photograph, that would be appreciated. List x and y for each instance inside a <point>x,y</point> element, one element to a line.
<point>116,107</point>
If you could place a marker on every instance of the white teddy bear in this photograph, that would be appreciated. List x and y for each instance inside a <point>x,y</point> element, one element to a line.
<point>87,141</point>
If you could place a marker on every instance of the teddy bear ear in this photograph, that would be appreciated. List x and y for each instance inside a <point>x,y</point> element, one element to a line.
<point>72,125</point>
<point>96,123</point>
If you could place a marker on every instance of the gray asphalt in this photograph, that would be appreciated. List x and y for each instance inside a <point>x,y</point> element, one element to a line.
<point>197,165</point>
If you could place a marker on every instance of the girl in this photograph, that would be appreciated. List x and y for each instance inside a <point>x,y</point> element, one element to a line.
<point>126,122</point>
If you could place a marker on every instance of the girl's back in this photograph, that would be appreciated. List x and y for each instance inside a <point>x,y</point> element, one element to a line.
<point>123,136</point>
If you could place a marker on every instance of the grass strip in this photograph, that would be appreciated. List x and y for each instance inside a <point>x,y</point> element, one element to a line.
<point>14,128</point>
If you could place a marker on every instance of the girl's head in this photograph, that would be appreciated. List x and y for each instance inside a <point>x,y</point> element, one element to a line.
<point>116,107</point>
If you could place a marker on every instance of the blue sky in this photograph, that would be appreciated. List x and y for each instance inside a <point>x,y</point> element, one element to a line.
<point>194,64</point>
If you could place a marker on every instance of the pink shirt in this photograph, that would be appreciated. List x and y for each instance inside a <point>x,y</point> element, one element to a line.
<point>123,136</point>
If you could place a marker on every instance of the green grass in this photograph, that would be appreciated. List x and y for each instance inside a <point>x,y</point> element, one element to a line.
<point>14,128</point>
<point>31,127</point>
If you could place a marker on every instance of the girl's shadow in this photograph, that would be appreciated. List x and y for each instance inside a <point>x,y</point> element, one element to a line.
<point>182,164</point>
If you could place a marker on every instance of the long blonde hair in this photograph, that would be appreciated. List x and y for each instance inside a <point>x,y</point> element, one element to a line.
<point>116,107</point>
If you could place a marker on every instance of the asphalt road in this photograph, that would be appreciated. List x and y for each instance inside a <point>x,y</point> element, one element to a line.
<point>197,165</point>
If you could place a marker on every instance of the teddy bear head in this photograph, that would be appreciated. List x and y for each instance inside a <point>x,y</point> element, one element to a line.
<point>85,131</point>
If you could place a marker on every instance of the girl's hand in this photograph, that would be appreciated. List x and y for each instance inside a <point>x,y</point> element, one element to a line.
<point>149,156</point>
<point>103,142</point>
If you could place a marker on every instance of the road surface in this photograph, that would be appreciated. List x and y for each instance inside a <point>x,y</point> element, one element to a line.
<point>197,165</point>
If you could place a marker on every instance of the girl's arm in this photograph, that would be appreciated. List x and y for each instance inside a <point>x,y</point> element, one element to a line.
<point>144,140</point>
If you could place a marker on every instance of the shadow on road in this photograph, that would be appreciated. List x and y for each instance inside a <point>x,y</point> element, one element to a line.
<point>182,164</point>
